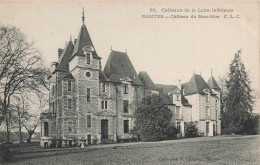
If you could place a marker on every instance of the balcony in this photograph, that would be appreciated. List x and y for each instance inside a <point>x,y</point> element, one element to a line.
<point>178,116</point>
<point>47,116</point>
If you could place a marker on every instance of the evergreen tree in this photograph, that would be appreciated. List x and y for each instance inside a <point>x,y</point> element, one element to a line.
<point>152,119</point>
<point>239,100</point>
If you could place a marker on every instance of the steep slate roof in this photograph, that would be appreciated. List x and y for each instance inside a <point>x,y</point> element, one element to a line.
<point>166,98</point>
<point>196,85</point>
<point>146,80</point>
<point>119,66</point>
<point>184,101</point>
<point>166,88</point>
<point>212,83</point>
<point>65,57</point>
<point>82,41</point>
<point>102,76</point>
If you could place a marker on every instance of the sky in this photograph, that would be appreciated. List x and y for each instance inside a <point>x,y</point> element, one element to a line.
<point>168,49</point>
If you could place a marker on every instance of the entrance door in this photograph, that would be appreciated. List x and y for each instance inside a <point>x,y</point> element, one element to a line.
<point>214,130</point>
<point>89,139</point>
<point>46,129</point>
<point>104,129</point>
<point>207,128</point>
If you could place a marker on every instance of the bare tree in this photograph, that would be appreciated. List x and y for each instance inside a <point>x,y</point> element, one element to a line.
<point>30,125</point>
<point>21,68</point>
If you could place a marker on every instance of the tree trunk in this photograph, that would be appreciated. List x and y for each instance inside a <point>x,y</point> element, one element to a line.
<point>7,130</point>
<point>30,136</point>
<point>21,135</point>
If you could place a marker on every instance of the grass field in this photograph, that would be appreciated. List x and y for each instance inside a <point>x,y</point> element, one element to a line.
<point>211,150</point>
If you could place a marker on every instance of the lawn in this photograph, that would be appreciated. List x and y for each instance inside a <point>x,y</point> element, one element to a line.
<point>211,150</point>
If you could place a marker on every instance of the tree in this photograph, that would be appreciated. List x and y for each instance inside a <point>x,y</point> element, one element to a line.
<point>30,125</point>
<point>152,117</point>
<point>21,69</point>
<point>239,100</point>
<point>191,129</point>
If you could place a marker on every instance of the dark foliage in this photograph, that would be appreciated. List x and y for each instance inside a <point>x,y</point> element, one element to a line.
<point>152,118</point>
<point>171,132</point>
<point>236,116</point>
<point>191,129</point>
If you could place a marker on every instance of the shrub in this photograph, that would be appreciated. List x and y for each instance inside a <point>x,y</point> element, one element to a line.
<point>171,131</point>
<point>152,117</point>
<point>191,129</point>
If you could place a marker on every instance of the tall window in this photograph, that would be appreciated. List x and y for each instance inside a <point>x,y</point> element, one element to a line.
<point>207,111</point>
<point>207,127</point>
<point>103,87</point>
<point>126,126</point>
<point>178,127</point>
<point>69,85</point>
<point>89,121</point>
<point>216,104</point>
<point>125,102</point>
<point>53,107</point>
<point>178,109</point>
<point>70,126</point>
<point>88,58</point>
<point>104,104</point>
<point>88,94</point>
<point>53,90</point>
<point>69,103</point>
<point>125,88</point>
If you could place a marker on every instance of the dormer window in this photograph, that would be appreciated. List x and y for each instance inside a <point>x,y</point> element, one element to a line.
<point>125,88</point>
<point>103,87</point>
<point>88,58</point>
<point>178,109</point>
<point>207,98</point>
<point>177,97</point>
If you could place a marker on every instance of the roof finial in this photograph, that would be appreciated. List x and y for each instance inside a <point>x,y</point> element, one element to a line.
<point>125,51</point>
<point>83,17</point>
<point>200,72</point>
<point>70,38</point>
<point>211,71</point>
<point>111,48</point>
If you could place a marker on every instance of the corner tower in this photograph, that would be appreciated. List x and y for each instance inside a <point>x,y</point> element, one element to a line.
<point>85,66</point>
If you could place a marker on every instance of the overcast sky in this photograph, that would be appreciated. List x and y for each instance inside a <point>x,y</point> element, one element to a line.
<point>168,49</point>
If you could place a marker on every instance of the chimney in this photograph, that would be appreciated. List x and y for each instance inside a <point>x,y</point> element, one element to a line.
<point>75,40</point>
<point>178,83</point>
<point>59,52</point>
<point>54,65</point>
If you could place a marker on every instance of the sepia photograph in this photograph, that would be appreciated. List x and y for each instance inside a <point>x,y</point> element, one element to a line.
<point>129,82</point>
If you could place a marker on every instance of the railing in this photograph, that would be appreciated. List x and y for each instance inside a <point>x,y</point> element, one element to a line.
<point>47,115</point>
<point>178,116</point>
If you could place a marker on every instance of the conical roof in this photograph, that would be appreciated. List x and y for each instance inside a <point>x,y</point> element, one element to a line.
<point>212,83</point>
<point>65,57</point>
<point>82,41</point>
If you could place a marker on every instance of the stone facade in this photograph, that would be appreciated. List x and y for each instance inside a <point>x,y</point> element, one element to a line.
<point>90,105</point>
